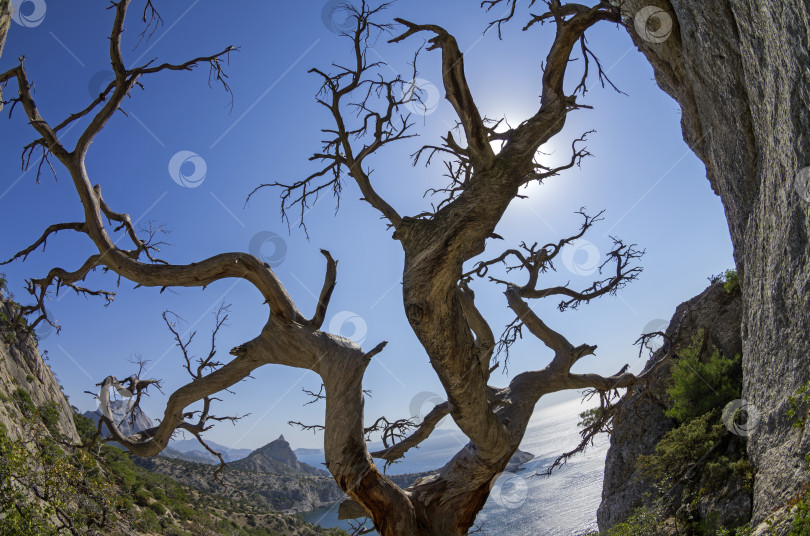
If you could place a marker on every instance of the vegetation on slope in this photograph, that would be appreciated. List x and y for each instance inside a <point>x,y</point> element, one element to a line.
<point>49,487</point>
<point>702,475</point>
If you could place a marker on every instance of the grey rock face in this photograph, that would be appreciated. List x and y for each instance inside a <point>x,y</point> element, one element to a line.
<point>642,423</point>
<point>22,367</point>
<point>739,70</point>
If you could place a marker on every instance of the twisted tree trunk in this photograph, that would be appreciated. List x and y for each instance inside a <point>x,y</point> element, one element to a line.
<point>437,299</point>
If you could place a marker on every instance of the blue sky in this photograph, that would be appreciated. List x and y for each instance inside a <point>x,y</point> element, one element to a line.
<point>653,190</point>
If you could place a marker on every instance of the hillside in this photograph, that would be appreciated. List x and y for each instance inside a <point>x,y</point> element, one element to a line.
<point>49,485</point>
<point>275,457</point>
<point>192,447</point>
<point>259,479</point>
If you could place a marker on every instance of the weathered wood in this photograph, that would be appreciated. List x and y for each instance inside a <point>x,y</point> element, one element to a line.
<point>438,303</point>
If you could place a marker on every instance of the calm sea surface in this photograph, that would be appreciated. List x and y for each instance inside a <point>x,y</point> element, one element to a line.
<point>563,504</point>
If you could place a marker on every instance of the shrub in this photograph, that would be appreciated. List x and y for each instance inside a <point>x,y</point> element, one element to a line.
<point>681,447</point>
<point>158,508</point>
<point>699,387</point>
<point>142,497</point>
<point>798,410</point>
<point>49,415</point>
<point>645,521</point>
<point>42,487</point>
<point>589,417</point>
<point>24,402</point>
<point>85,426</point>
<point>732,281</point>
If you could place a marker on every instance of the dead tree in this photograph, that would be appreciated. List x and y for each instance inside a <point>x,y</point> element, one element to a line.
<point>369,113</point>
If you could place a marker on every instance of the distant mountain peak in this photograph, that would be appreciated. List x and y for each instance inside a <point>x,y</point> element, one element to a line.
<point>275,457</point>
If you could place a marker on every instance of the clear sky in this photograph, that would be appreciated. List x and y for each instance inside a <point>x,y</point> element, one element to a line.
<point>652,187</point>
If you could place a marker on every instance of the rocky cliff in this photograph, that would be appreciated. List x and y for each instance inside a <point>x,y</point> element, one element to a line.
<point>33,411</point>
<point>22,368</point>
<point>641,423</point>
<point>275,457</point>
<point>739,70</point>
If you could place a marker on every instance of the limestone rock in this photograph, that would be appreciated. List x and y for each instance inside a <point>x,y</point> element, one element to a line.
<point>275,457</point>
<point>641,423</point>
<point>739,70</point>
<point>22,367</point>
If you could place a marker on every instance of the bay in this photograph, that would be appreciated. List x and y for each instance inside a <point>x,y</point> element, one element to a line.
<point>521,504</point>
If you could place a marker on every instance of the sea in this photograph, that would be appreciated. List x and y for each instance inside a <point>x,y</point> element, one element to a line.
<point>521,503</point>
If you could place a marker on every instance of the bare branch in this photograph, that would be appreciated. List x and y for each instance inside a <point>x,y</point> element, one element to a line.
<point>376,102</point>
<point>326,292</point>
<point>53,229</point>
<point>397,450</point>
<point>457,88</point>
<point>315,396</point>
<point>307,427</point>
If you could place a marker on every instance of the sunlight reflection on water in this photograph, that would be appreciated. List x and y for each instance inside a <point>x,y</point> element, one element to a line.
<point>563,504</point>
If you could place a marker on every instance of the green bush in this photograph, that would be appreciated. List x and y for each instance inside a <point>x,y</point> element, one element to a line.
<point>680,448</point>
<point>645,521</point>
<point>589,417</point>
<point>49,415</point>
<point>158,508</point>
<point>43,487</point>
<point>24,403</point>
<point>702,384</point>
<point>699,387</point>
<point>85,426</point>
<point>798,410</point>
<point>142,497</point>
<point>732,281</point>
